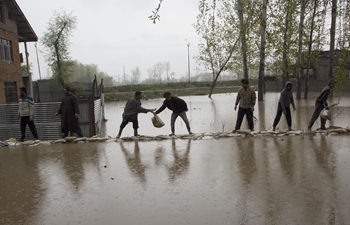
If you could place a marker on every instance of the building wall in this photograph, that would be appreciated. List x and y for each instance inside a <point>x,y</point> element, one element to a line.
<point>10,71</point>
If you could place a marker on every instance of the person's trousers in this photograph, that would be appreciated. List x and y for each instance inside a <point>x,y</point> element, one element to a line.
<point>183,117</point>
<point>77,130</point>
<point>279,114</point>
<point>240,116</point>
<point>133,119</point>
<point>24,121</point>
<point>318,109</point>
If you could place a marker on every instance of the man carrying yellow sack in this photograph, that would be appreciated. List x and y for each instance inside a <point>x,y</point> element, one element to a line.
<point>179,108</point>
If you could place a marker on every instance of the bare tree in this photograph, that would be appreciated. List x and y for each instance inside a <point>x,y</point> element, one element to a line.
<point>332,37</point>
<point>262,51</point>
<point>300,46</point>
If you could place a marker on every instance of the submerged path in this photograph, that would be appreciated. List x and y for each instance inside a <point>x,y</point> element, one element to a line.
<point>201,136</point>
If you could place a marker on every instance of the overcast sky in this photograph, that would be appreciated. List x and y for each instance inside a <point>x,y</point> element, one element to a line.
<point>113,33</point>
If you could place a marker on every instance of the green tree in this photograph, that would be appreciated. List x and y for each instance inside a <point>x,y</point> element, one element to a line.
<point>56,41</point>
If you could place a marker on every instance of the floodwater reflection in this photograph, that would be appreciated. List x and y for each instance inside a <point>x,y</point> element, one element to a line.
<point>134,162</point>
<point>181,162</point>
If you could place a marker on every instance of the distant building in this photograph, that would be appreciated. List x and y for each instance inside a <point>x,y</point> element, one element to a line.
<point>319,68</point>
<point>14,28</point>
<point>318,71</point>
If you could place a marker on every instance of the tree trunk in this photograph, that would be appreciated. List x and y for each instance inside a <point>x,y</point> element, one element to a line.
<point>332,43</point>
<point>306,91</point>
<point>300,47</point>
<point>285,76</point>
<point>222,68</point>
<point>262,52</point>
<point>242,29</point>
<point>59,69</point>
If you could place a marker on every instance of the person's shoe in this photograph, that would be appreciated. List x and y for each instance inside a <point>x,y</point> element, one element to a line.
<point>290,129</point>
<point>234,131</point>
<point>171,135</point>
<point>323,128</point>
<point>274,129</point>
<point>308,131</point>
<point>190,133</point>
<point>21,140</point>
<point>117,137</point>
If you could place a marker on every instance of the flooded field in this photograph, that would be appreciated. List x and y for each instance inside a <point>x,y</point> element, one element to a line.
<point>218,115</point>
<point>244,180</point>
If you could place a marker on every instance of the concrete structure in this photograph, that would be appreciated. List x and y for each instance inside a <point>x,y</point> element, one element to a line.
<point>318,72</point>
<point>14,29</point>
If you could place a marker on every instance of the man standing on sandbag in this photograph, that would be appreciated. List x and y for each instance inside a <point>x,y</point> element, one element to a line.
<point>286,99</point>
<point>69,111</point>
<point>321,103</point>
<point>246,98</point>
<point>131,110</point>
<point>26,114</point>
<point>179,108</point>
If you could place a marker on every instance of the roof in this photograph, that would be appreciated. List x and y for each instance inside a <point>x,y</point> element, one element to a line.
<point>25,30</point>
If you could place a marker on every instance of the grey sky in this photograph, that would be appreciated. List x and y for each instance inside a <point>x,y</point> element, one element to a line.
<point>113,33</point>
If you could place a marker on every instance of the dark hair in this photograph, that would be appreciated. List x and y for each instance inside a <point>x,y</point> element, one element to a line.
<point>67,88</point>
<point>138,93</point>
<point>245,81</point>
<point>24,89</point>
<point>167,94</point>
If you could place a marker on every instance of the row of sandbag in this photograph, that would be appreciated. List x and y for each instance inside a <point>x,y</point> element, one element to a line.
<point>201,136</point>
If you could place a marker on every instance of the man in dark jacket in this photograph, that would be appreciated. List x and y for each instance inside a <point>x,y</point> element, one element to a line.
<point>179,108</point>
<point>286,99</point>
<point>246,99</point>
<point>321,103</point>
<point>69,111</point>
<point>132,109</point>
<point>26,113</point>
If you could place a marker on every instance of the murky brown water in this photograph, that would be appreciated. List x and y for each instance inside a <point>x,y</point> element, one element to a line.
<point>260,180</point>
<point>218,114</point>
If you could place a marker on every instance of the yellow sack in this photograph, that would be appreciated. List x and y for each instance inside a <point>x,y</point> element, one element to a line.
<point>157,122</point>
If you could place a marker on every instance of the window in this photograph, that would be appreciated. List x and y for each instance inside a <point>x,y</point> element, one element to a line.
<point>10,92</point>
<point>6,50</point>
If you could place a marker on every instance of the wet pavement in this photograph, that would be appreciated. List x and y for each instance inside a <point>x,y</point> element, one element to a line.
<point>242,180</point>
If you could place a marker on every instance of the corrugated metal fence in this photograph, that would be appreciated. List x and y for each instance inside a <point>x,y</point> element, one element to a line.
<point>47,124</point>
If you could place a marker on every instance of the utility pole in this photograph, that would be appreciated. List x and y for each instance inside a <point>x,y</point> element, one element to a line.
<point>37,59</point>
<point>188,62</point>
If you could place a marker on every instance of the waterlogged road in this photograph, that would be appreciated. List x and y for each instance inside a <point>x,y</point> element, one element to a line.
<point>262,180</point>
<point>298,180</point>
<point>218,114</point>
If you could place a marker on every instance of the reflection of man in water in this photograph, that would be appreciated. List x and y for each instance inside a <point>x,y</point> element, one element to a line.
<point>246,98</point>
<point>134,161</point>
<point>181,163</point>
<point>179,108</point>
<point>321,103</point>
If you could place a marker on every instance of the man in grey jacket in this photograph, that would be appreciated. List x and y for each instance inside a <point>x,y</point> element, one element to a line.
<point>320,104</point>
<point>26,113</point>
<point>132,109</point>
<point>286,99</point>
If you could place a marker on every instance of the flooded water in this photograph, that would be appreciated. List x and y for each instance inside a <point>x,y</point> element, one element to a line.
<point>253,180</point>
<point>218,114</point>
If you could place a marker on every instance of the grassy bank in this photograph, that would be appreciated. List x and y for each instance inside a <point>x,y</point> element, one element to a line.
<point>120,93</point>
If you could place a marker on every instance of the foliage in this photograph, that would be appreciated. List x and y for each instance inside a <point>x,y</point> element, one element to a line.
<point>56,42</point>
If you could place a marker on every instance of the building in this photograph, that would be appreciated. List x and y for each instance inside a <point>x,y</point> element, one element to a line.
<point>14,29</point>
<point>318,72</point>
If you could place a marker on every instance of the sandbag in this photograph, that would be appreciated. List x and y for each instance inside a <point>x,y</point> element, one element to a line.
<point>157,122</point>
<point>326,114</point>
